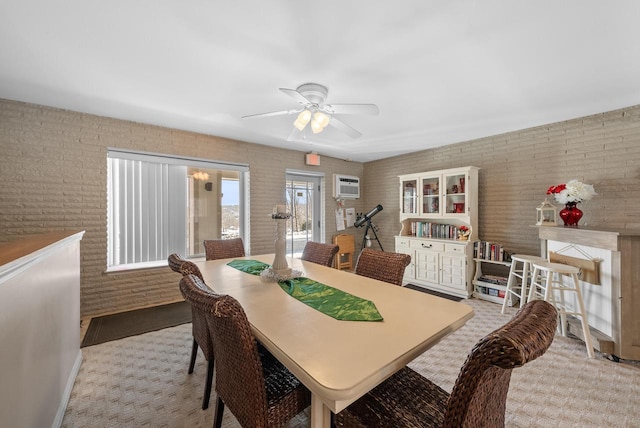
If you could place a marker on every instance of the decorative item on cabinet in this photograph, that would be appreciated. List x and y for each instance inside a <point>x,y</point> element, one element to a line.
<point>463,233</point>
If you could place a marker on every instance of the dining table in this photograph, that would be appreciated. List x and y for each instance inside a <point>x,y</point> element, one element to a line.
<point>338,361</point>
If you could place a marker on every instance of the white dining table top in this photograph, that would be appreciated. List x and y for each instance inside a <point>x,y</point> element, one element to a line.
<point>339,361</point>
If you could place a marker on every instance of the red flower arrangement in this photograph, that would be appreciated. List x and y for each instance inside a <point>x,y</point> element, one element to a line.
<point>463,232</point>
<point>573,191</point>
<point>556,189</point>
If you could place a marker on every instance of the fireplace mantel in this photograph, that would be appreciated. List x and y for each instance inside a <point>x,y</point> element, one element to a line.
<point>612,306</point>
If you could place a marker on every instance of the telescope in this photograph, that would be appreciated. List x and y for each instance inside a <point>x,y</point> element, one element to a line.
<point>367,217</point>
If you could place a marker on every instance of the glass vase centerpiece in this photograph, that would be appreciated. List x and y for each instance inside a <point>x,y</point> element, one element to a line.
<point>571,194</point>
<point>280,270</point>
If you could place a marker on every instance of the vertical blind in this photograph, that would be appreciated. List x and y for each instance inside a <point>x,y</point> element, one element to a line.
<point>147,211</point>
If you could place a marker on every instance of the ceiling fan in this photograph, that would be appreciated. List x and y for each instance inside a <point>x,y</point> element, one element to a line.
<point>314,111</point>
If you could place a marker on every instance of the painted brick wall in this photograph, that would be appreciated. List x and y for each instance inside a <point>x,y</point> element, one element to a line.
<point>53,170</point>
<point>518,167</point>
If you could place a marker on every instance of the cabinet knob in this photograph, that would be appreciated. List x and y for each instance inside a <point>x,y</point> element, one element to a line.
<point>427,245</point>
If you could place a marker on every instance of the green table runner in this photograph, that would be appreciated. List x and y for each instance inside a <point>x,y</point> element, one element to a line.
<point>328,300</point>
<point>331,301</point>
<point>254,267</point>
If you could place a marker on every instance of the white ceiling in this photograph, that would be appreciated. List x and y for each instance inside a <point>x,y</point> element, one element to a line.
<point>441,72</point>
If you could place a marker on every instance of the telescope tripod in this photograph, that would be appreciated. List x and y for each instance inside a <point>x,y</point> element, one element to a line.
<point>365,238</point>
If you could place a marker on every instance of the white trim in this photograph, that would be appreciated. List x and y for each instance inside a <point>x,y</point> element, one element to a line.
<point>15,267</point>
<point>302,172</point>
<point>71,380</point>
<point>177,160</point>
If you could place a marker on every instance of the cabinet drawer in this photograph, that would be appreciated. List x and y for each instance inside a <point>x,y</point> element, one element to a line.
<point>427,245</point>
<point>455,248</point>
<point>402,242</point>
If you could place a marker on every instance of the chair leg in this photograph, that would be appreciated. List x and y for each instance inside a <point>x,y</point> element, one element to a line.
<point>526,275</point>
<point>534,284</point>
<point>194,352</point>
<point>511,284</point>
<point>207,386</point>
<point>583,318</point>
<point>217,422</point>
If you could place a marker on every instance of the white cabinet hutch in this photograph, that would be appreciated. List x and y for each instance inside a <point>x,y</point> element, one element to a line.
<point>435,206</point>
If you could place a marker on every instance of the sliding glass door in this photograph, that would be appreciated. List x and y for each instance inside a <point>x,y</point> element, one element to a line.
<point>303,195</point>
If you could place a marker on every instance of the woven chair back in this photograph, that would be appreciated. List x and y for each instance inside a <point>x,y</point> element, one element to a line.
<point>239,376</point>
<point>175,262</point>
<point>223,248</point>
<point>479,396</point>
<point>184,267</point>
<point>196,294</point>
<point>319,253</point>
<point>382,265</point>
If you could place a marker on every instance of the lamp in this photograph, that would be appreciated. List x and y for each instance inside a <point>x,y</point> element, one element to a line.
<point>546,214</point>
<point>200,175</point>
<point>302,120</point>
<point>319,121</point>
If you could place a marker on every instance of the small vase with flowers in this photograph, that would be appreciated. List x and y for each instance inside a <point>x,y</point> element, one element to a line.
<point>571,194</point>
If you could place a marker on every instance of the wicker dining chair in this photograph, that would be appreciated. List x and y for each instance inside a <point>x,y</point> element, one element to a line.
<point>252,383</point>
<point>478,398</point>
<point>319,253</point>
<point>382,265</point>
<point>182,266</point>
<point>223,248</point>
<point>199,329</point>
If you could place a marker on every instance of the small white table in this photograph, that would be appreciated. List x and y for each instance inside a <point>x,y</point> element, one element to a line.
<point>338,361</point>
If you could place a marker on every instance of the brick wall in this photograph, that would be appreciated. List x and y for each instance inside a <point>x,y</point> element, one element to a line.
<point>53,170</point>
<point>518,167</point>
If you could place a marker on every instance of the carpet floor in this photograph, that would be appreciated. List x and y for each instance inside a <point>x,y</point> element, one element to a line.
<point>142,381</point>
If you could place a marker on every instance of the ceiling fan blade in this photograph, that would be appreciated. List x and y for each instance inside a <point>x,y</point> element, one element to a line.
<point>296,96</point>
<point>273,113</point>
<point>294,135</point>
<point>338,124</point>
<point>371,109</point>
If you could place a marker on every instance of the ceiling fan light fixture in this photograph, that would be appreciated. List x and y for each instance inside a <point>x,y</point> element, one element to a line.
<point>302,120</point>
<point>321,118</point>
<point>316,127</point>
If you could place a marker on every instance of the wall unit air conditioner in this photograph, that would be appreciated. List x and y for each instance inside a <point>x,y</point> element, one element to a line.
<point>346,186</point>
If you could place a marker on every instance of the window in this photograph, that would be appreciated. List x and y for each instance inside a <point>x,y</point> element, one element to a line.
<point>158,205</point>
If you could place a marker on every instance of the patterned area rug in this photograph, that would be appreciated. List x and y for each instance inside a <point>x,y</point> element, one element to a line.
<point>143,381</point>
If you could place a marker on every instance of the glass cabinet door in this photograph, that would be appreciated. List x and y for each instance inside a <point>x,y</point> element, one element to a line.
<point>409,196</point>
<point>454,194</point>
<point>430,195</point>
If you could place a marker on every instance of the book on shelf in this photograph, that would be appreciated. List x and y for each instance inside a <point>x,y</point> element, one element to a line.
<point>494,292</point>
<point>493,279</point>
<point>492,251</point>
<point>425,229</point>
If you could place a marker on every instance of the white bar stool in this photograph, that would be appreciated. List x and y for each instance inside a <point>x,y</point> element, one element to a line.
<point>546,285</point>
<point>520,277</point>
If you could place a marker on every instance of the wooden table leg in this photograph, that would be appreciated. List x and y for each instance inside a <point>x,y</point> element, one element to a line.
<point>320,414</point>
